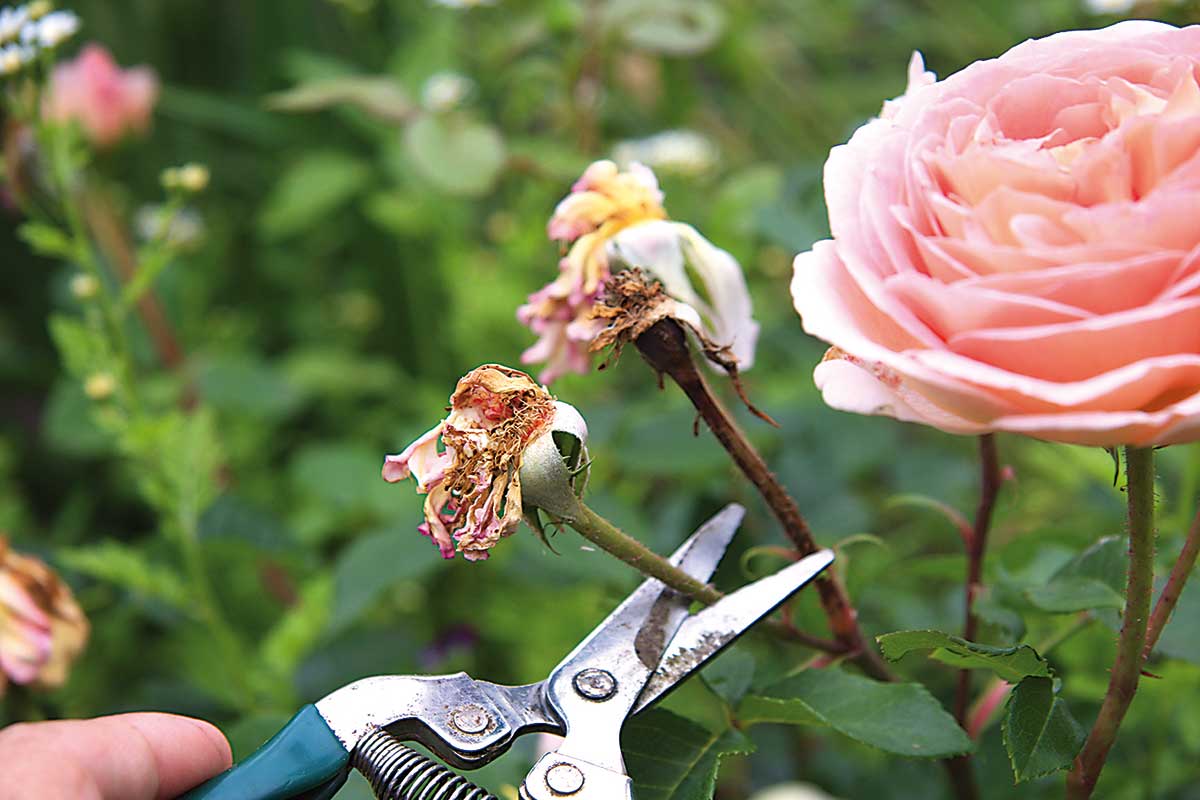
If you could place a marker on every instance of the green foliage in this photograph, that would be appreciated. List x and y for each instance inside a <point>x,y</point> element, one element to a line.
<point>1041,735</point>
<point>1011,664</point>
<point>670,758</point>
<point>899,718</point>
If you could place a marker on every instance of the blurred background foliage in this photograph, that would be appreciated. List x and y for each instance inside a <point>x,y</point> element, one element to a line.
<point>366,238</point>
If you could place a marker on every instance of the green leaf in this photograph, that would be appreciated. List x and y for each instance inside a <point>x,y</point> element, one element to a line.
<point>82,351</point>
<point>1181,637</point>
<point>300,629</point>
<point>1009,663</point>
<point>900,718</point>
<point>378,96</point>
<point>672,27</point>
<point>671,758</point>
<point>130,569</point>
<point>1093,579</point>
<point>374,563</point>
<point>1066,595</point>
<point>245,385</point>
<point>312,189</point>
<point>455,154</point>
<point>47,240</point>
<point>1039,732</point>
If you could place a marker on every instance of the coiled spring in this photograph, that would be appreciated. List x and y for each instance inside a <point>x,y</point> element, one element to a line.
<point>396,772</point>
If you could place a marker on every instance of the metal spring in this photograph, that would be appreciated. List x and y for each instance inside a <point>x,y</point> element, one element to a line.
<point>396,772</point>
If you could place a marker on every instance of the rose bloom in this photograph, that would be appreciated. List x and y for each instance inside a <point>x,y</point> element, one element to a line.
<point>473,484</point>
<point>42,629</point>
<point>1017,247</point>
<point>614,219</point>
<point>106,101</point>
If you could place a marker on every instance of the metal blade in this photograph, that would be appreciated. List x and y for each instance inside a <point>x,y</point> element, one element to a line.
<point>708,632</point>
<point>654,608</point>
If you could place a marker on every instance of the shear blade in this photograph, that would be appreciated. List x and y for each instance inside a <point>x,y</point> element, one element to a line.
<point>704,634</point>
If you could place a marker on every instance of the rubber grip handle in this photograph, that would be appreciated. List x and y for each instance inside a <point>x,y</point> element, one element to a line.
<point>304,756</point>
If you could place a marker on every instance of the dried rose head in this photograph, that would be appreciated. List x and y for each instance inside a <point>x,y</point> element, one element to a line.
<point>613,220</point>
<point>473,484</point>
<point>42,629</point>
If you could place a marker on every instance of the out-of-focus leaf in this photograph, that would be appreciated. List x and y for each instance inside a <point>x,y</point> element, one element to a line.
<point>299,630</point>
<point>373,563</point>
<point>130,569</point>
<point>456,154</point>
<point>245,385</point>
<point>1181,637</point>
<point>671,758</point>
<point>672,27</point>
<point>82,351</point>
<point>900,718</point>
<point>1039,732</point>
<point>68,426</point>
<point>345,477</point>
<point>1009,663</point>
<point>1093,579</point>
<point>248,733</point>
<point>313,188</point>
<point>1066,595</point>
<point>332,371</point>
<point>46,240</point>
<point>378,96</point>
<point>231,517</point>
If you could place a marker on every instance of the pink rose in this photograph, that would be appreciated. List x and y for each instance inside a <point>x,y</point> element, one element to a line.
<point>106,101</point>
<point>1017,247</point>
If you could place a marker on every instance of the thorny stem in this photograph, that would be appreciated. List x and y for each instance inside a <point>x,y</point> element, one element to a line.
<point>1174,588</point>
<point>962,774</point>
<point>989,488</point>
<point>665,347</point>
<point>1123,681</point>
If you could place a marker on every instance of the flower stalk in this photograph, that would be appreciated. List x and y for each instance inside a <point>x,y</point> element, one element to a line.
<point>1123,682</point>
<point>989,488</point>
<point>665,347</point>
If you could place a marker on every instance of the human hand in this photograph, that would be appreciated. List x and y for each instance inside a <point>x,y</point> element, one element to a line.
<point>124,757</point>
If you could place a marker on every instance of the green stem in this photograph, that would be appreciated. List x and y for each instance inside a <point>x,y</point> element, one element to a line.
<point>1123,681</point>
<point>608,537</point>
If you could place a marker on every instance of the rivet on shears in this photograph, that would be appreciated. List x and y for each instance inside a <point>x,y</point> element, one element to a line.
<point>564,779</point>
<point>470,719</point>
<point>595,684</point>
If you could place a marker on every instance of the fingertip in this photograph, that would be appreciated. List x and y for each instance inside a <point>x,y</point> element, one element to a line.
<point>188,751</point>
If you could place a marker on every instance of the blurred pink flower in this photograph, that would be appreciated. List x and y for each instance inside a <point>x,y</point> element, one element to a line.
<point>1016,248</point>
<point>42,629</point>
<point>473,485</point>
<point>106,101</point>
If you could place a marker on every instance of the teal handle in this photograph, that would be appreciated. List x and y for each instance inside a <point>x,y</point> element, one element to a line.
<point>304,760</point>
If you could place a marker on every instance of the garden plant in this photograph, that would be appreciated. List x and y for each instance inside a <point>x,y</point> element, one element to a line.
<point>641,259</point>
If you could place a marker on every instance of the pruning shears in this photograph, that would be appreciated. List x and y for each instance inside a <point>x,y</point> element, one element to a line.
<point>646,647</point>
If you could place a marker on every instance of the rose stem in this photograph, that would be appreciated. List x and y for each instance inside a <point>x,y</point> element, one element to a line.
<point>1174,588</point>
<point>608,537</point>
<point>666,349</point>
<point>989,487</point>
<point>1123,681</point>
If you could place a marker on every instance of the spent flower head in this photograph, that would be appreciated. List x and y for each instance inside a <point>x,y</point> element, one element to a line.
<point>616,218</point>
<point>42,629</point>
<point>473,482</point>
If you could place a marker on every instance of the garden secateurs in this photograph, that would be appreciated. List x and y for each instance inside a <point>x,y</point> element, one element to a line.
<point>643,649</point>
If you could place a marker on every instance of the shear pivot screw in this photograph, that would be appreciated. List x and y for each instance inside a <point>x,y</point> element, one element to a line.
<point>564,779</point>
<point>595,684</point>
<point>470,719</point>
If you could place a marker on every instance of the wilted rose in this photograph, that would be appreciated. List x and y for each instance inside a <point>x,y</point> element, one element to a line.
<point>42,629</point>
<point>472,482</point>
<point>614,219</point>
<point>106,101</point>
<point>1017,247</point>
